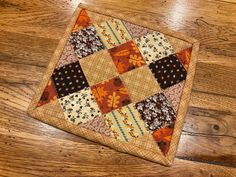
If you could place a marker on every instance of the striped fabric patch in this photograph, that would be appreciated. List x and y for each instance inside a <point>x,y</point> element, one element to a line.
<point>113,33</point>
<point>125,123</point>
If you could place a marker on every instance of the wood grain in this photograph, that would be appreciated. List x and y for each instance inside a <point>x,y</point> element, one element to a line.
<point>30,32</point>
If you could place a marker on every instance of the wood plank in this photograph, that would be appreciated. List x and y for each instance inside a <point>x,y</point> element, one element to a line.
<point>66,158</point>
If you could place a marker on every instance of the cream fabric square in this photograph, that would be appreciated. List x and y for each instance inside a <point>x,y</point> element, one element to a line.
<point>80,107</point>
<point>98,67</point>
<point>154,46</point>
<point>140,83</point>
<point>113,33</point>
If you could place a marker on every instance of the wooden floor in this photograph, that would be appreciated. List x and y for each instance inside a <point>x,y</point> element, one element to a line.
<point>29,33</point>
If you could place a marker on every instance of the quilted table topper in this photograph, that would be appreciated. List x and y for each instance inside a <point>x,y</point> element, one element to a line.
<point>122,82</point>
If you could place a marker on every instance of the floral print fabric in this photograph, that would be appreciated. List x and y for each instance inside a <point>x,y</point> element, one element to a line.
<point>68,56</point>
<point>168,71</point>
<point>126,57</point>
<point>156,112</point>
<point>110,95</point>
<point>173,94</point>
<point>86,42</point>
<point>113,33</point>
<point>82,21</point>
<point>184,57</point>
<point>154,46</point>
<point>69,79</point>
<point>80,107</point>
<point>163,138</point>
<point>135,30</point>
<point>98,125</point>
<point>125,123</point>
<point>49,94</point>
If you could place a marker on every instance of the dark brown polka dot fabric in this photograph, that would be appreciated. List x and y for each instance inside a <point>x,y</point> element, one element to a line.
<point>168,71</point>
<point>69,79</point>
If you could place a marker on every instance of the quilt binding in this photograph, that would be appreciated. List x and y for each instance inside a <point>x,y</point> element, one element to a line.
<point>126,147</point>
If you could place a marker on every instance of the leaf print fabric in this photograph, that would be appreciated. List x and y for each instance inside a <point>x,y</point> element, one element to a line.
<point>49,94</point>
<point>113,33</point>
<point>110,94</point>
<point>163,138</point>
<point>68,56</point>
<point>82,21</point>
<point>156,112</point>
<point>80,107</point>
<point>184,57</point>
<point>125,123</point>
<point>69,79</point>
<point>168,71</point>
<point>98,125</point>
<point>126,57</point>
<point>86,42</point>
<point>154,46</point>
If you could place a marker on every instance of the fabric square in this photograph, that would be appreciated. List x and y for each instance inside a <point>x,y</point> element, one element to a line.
<point>110,94</point>
<point>126,57</point>
<point>98,67</point>
<point>184,57</point>
<point>156,112</point>
<point>173,94</point>
<point>154,46</point>
<point>163,138</point>
<point>136,30</point>
<point>140,83</point>
<point>113,33</point>
<point>125,123</point>
<point>80,107</point>
<point>69,79</point>
<point>168,71</point>
<point>86,42</point>
<point>49,94</point>
<point>82,21</point>
<point>98,125</point>
<point>68,55</point>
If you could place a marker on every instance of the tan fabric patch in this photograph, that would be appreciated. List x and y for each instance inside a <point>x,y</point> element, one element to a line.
<point>52,109</point>
<point>98,67</point>
<point>140,83</point>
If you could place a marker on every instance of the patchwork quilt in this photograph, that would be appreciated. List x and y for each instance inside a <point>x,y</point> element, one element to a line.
<point>122,82</point>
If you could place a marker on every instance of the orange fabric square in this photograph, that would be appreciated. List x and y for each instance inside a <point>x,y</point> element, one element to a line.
<point>49,94</point>
<point>126,57</point>
<point>110,95</point>
<point>82,21</point>
<point>184,57</point>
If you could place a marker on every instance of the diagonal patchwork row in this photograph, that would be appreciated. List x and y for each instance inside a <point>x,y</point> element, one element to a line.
<point>119,79</point>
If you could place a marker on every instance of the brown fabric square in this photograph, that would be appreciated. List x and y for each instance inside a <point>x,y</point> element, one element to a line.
<point>69,79</point>
<point>140,83</point>
<point>156,112</point>
<point>98,67</point>
<point>168,71</point>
